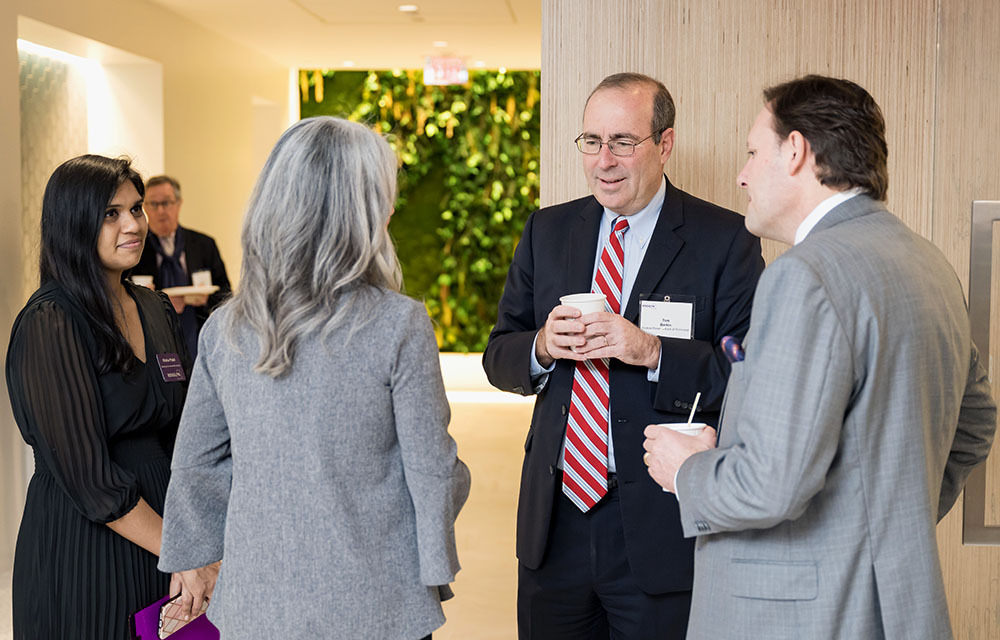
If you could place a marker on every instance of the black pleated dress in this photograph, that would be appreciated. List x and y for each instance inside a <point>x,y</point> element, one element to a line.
<point>100,442</point>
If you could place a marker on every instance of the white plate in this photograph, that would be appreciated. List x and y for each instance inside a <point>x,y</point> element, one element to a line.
<point>203,290</point>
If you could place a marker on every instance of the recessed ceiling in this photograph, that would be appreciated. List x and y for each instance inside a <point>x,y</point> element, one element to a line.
<point>375,34</point>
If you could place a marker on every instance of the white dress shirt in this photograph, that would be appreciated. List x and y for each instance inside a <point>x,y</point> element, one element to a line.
<point>821,210</point>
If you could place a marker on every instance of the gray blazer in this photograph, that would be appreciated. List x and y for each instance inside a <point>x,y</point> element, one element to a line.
<point>847,434</point>
<point>329,494</point>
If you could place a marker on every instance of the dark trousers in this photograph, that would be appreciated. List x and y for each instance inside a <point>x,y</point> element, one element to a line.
<point>584,589</point>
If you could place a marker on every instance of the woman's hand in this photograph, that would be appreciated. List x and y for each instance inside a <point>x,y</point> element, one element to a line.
<point>195,586</point>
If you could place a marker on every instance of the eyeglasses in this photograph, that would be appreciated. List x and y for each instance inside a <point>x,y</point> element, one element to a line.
<point>622,148</point>
<point>163,204</point>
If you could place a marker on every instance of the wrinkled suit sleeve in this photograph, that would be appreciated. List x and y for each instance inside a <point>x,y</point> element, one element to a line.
<point>977,421</point>
<point>437,480</point>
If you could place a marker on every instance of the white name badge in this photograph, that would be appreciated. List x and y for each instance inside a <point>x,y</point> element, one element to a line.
<point>667,319</point>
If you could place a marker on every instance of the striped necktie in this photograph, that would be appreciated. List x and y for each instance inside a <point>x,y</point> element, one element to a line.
<point>585,466</point>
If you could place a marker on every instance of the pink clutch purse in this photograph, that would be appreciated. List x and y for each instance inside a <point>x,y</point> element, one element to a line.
<point>156,622</point>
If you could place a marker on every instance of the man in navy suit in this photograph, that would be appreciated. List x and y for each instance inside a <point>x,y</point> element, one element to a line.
<point>599,544</point>
<point>172,253</point>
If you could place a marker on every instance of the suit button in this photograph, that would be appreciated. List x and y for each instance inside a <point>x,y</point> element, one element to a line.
<point>677,403</point>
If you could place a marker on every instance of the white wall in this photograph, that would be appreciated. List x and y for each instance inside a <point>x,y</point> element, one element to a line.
<point>129,118</point>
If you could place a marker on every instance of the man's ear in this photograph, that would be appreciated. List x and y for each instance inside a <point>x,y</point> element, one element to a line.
<point>666,144</point>
<point>797,152</point>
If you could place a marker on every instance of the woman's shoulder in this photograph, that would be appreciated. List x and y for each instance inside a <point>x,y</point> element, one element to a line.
<point>49,311</point>
<point>149,299</point>
<point>399,303</point>
<point>398,313</point>
<point>48,302</point>
<point>159,314</point>
<point>398,320</point>
<point>218,323</point>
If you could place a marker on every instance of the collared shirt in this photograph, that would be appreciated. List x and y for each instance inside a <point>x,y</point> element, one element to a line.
<point>167,242</point>
<point>636,239</point>
<point>821,210</point>
<point>635,242</point>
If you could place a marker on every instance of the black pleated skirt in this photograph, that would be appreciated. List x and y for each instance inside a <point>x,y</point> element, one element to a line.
<point>74,578</point>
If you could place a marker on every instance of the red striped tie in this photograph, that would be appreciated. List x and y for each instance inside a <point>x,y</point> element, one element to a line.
<point>585,466</point>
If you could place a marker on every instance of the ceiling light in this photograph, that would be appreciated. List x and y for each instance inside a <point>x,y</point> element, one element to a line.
<point>440,44</point>
<point>408,8</point>
<point>480,64</point>
<point>348,63</point>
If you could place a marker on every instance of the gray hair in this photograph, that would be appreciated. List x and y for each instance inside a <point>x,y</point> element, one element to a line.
<point>663,104</point>
<point>315,238</point>
<point>158,180</point>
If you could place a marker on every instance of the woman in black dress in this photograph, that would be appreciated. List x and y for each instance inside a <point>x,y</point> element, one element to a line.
<point>96,373</point>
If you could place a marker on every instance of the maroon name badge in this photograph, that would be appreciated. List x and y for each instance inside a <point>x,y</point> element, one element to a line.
<point>170,367</point>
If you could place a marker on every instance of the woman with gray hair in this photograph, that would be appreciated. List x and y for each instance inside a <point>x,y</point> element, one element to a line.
<point>313,456</point>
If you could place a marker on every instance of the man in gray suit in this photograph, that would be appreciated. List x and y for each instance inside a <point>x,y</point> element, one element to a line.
<point>858,412</point>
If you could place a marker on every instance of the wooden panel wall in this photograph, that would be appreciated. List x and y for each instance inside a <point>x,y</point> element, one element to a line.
<point>966,134</point>
<point>933,68</point>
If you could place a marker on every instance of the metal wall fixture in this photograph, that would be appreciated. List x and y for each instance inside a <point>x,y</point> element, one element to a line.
<point>975,531</point>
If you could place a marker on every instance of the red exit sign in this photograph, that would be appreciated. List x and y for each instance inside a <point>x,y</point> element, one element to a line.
<point>443,71</point>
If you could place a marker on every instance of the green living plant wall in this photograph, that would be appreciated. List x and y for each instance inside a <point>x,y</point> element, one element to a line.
<point>468,181</point>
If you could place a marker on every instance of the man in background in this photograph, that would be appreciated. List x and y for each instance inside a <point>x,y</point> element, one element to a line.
<point>600,549</point>
<point>859,408</point>
<point>173,253</point>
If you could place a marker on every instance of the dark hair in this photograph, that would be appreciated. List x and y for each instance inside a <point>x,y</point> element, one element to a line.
<point>76,197</point>
<point>844,127</point>
<point>158,180</point>
<point>663,104</point>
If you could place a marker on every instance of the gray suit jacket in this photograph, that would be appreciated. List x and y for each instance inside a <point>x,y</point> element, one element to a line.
<point>847,433</point>
<point>331,493</point>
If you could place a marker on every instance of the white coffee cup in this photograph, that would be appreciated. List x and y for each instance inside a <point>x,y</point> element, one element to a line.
<point>691,429</point>
<point>143,281</point>
<point>687,429</point>
<point>585,302</point>
<point>202,278</point>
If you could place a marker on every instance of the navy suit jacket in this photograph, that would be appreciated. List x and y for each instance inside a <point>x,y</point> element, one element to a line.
<point>200,252</point>
<point>697,249</point>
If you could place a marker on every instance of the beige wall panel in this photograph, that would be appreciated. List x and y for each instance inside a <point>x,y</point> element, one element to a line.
<point>967,126</point>
<point>966,168</point>
<point>582,42</point>
<point>993,463</point>
<point>11,251</point>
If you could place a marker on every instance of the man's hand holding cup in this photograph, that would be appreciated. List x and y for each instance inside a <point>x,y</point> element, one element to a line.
<point>564,329</point>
